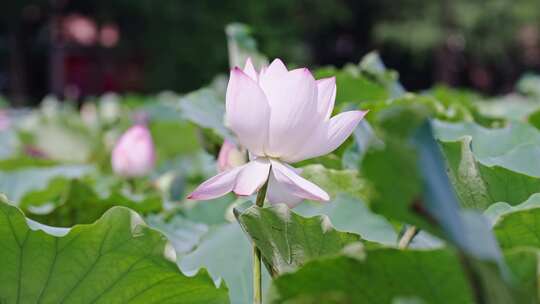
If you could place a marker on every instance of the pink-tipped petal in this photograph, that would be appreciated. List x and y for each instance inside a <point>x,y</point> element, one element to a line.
<point>247,111</point>
<point>249,69</point>
<point>293,103</point>
<point>295,185</point>
<point>329,136</point>
<point>326,96</point>
<point>252,177</point>
<point>216,186</point>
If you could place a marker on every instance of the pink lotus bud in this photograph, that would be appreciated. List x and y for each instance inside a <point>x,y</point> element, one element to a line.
<point>230,156</point>
<point>133,154</point>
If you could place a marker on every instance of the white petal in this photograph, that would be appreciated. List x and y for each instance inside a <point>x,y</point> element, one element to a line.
<point>329,136</point>
<point>295,185</point>
<point>252,177</point>
<point>216,186</point>
<point>248,111</point>
<point>293,106</point>
<point>249,69</point>
<point>326,96</point>
<point>278,193</point>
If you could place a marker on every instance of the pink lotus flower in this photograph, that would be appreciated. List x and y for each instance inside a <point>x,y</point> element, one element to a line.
<point>133,154</point>
<point>281,117</point>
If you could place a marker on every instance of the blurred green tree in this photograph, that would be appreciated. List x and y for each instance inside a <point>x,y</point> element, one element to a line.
<point>186,43</point>
<point>474,32</point>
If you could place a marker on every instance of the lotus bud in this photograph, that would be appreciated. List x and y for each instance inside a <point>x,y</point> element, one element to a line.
<point>133,154</point>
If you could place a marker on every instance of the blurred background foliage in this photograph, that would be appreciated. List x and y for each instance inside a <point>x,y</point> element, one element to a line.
<point>75,48</point>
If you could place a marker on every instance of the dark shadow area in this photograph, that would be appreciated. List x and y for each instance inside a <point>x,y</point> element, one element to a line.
<point>75,48</point>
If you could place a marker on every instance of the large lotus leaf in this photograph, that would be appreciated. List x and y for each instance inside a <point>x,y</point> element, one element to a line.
<point>519,229</point>
<point>381,277</point>
<point>524,264</point>
<point>210,212</point>
<point>226,252</point>
<point>411,185</point>
<point>183,233</point>
<point>68,202</point>
<point>336,182</point>
<point>15,184</point>
<point>63,143</point>
<point>288,240</point>
<point>504,147</point>
<point>511,106</point>
<point>372,66</point>
<point>353,86</point>
<point>24,161</point>
<point>521,159</point>
<point>468,230</point>
<point>495,211</point>
<point>205,108</point>
<point>117,259</point>
<point>394,180</point>
<point>478,185</point>
<point>350,214</point>
<point>167,142</point>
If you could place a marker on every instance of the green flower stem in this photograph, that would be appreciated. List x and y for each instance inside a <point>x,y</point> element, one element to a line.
<point>407,237</point>
<point>257,283</point>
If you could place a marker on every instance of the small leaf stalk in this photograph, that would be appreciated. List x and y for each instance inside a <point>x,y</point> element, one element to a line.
<point>407,237</point>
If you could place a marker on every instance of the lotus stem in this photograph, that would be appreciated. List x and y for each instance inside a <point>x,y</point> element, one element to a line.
<point>257,281</point>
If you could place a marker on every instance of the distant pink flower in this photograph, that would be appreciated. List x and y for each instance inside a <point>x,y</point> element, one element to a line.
<point>133,154</point>
<point>281,117</point>
<point>4,120</point>
<point>80,29</point>
<point>33,151</point>
<point>230,156</point>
